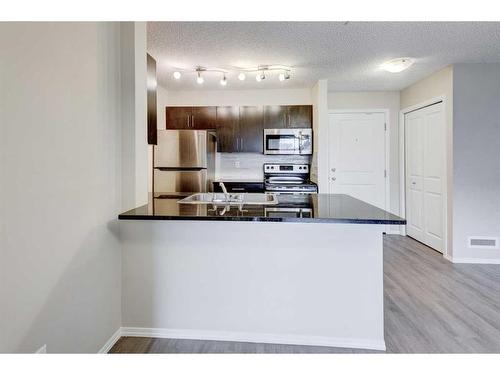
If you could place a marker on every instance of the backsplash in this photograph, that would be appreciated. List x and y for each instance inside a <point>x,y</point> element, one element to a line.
<point>248,166</point>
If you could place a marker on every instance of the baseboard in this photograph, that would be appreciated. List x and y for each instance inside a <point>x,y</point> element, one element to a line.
<point>253,337</point>
<point>473,260</point>
<point>112,341</point>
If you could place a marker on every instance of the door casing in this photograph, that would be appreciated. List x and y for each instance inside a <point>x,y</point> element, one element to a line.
<point>402,165</point>
<point>387,144</point>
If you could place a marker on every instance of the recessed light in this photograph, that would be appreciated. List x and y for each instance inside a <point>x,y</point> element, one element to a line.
<point>242,76</point>
<point>177,75</point>
<point>397,65</point>
<point>260,76</point>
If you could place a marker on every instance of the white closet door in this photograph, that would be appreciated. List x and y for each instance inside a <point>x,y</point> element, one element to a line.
<point>357,156</point>
<point>425,152</point>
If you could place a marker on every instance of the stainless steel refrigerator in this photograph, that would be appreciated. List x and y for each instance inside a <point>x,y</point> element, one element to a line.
<point>183,161</point>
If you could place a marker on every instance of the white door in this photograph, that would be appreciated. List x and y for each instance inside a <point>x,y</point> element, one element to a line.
<point>425,152</point>
<point>357,156</point>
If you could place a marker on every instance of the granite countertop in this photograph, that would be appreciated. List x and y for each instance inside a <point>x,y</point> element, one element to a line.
<point>307,208</point>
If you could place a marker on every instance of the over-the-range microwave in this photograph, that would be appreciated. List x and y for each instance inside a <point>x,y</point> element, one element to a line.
<point>288,141</point>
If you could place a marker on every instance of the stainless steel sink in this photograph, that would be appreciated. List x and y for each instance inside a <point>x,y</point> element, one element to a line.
<point>231,199</point>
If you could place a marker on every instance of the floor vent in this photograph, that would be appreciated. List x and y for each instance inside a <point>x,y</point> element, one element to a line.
<point>483,242</point>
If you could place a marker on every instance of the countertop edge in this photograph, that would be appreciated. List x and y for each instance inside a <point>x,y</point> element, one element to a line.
<point>261,219</point>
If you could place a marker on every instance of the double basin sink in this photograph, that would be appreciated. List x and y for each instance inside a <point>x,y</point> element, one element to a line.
<point>231,199</point>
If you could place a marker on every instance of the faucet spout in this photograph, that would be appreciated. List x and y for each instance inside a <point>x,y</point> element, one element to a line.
<point>224,190</point>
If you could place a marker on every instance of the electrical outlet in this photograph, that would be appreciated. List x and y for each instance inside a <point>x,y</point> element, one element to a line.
<point>237,164</point>
<point>42,350</point>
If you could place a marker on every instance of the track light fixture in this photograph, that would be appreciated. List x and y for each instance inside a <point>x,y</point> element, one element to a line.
<point>223,81</point>
<point>284,76</point>
<point>200,79</point>
<point>262,71</point>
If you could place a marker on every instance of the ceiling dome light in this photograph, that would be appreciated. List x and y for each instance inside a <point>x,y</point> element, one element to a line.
<point>260,76</point>
<point>397,65</point>
<point>242,76</point>
<point>199,79</point>
<point>223,81</point>
<point>177,75</point>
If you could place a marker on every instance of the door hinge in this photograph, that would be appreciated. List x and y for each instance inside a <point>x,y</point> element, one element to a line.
<point>385,126</point>
<point>385,173</point>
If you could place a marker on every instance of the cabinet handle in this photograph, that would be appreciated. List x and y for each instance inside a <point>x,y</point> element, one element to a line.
<point>192,121</point>
<point>187,118</point>
<point>237,144</point>
<point>241,142</point>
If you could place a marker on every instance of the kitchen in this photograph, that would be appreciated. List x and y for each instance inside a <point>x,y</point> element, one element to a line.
<point>240,172</point>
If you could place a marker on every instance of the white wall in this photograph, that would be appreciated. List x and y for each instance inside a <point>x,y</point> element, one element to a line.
<point>319,166</point>
<point>476,169</point>
<point>383,100</point>
<point>290,283</point>
<point>60,144</point>
<point>134,103</point>
<point>230,97</point>
<point>439,84</point>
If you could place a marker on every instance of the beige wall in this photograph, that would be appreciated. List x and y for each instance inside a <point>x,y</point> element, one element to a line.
<point>439,84</point>
<point>386,100</point>
<point>60,150</point>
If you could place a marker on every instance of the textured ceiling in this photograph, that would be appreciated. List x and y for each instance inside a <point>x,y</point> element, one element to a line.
<point>347,54</point>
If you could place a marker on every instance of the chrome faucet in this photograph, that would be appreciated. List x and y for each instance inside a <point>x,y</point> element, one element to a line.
<point>224,190</point>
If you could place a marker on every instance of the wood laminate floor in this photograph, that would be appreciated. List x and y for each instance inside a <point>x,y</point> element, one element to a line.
<point>431,306</point>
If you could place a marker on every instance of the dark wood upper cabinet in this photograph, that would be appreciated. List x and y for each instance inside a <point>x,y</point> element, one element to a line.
<point>287,116</point>
<point>275,116</point>
<point>203,118</point>
<point>299,116</point>
<point>190,117</point>
<point>151,100</point>
<point>178,117</point>
<point>227,129</point>
<point>251,129</point>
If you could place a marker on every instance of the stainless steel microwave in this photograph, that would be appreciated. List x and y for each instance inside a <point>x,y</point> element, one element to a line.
<point>288,141</point>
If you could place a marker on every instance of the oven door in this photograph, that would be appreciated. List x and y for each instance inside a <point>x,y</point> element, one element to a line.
<point>285,212</point>
<point>288,141</point>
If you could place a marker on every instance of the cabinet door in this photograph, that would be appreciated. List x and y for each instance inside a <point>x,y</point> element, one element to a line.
<point>227,129</point>
<point>275,117</point>
<point>299,116</point>
<point>178,117</point>
<point>251,129</point>
<point>203,118</point>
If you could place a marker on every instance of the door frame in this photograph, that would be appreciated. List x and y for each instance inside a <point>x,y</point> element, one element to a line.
<point>402,163</point>
<point>387,144</point>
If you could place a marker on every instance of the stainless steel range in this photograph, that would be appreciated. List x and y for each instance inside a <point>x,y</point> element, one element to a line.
<point>288,178</point>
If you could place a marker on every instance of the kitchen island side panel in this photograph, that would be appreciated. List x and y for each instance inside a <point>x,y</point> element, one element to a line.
<point>293,283</point>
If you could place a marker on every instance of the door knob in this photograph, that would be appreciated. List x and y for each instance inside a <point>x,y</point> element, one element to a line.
<point>334,169</point>
<point>333,178</point>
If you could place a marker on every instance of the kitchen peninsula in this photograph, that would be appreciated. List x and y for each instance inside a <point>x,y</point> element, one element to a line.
<point>307,270</point>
